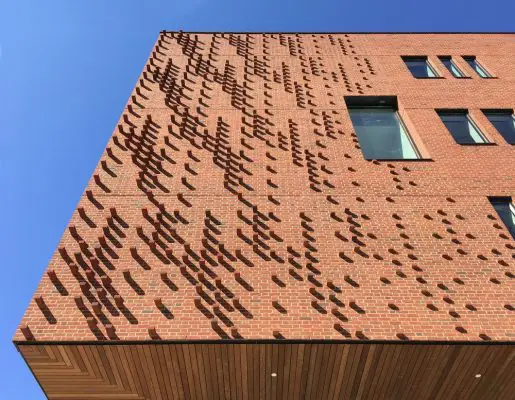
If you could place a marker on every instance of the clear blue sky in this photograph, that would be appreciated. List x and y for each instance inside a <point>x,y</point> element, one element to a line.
<point>66,71</point>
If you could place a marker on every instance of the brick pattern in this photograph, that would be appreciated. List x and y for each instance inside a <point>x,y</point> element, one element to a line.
<point>233,200</point>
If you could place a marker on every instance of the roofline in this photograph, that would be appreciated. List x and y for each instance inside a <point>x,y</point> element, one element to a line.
<point>348,32</point>
<point>265,341</point>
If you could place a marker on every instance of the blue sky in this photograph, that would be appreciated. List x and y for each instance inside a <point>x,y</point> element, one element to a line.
<point>66,71</point>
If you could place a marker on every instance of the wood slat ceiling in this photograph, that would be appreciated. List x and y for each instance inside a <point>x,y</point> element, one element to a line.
<point>245,371</point>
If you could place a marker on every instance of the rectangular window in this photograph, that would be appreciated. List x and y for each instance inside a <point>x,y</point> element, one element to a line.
<point>504,122</point>
<point>451,66</point>
<point>474,64</point>
<point>420,67</point>
<point>506,211</point>
<point>381,132</point>
<point>461,127</point>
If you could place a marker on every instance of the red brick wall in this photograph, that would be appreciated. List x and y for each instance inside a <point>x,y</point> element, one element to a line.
<point>250,212</point>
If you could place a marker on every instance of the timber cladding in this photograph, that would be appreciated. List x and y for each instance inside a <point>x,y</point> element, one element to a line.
<point>246,371</point>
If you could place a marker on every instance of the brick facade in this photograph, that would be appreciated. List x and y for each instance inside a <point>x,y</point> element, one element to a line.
<point>233,200</point>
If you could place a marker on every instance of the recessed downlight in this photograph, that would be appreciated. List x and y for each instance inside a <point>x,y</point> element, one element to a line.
<point>477,376</point>
<point>274,374</point>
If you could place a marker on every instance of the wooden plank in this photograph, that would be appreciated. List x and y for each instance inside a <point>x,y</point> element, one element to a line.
<point>63,355</point>
<point>210,371</point>
<point>297,362</point>
<point>273,357</point>
<point>224,365</point>
<point>401,382</point>
<point>77,358</point>
<point>502,366</point>
<point>318,373</point>
<point>364,376</point>
<point>236,368</point>
<point>159,365</point>
<point>128,362</point>
<point>455,365</point>
<point>114,367</point>
<point>353,361</point>
<point>180,373</point>
<point>150,367</point>
<point>125,372</point>
<point>461,374</point>
<point>206,371</point>
<point>417,362</point>
<point>479,365</point>
<point>255,360</point>
<point>218,373</point>
<point>309,376</point>
<point>505,368</point>
<point>105,368</point>
<point>286,373</point>
<point>338,392</point>
<point>171,373</point>
<point>445,367</point>
<point>374,375</point>
<point>384,372</point>
<point>509,365</point>
<point>392,366</point>
<point>333,373</point>
<point>96,361</point>
<point>278,369</point>
<point>249,357</point>
<point>268,371</point>
<point>262,365</point>
<point>197,364</point>
<point>148,372</point>
<point>191,373</point>
<point>232,370</point>
<point>361,362</point>
<point>327,370</point>
<point>244,371</point>
<point>83,354</point>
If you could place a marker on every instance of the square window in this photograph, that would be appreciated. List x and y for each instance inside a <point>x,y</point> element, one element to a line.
<point>506,211</point>
<point>420,67</point>
<point>461,127</point>
<point>381,132</point>
<point>474,64</point>
<point>451,66</point>
<point>504,122</point>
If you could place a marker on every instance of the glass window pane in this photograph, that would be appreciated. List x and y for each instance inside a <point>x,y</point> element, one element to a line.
<point>504,123</point>
<point>462,128</point>
<point>477,67</point>
<point>474,132</point>
<point>420,68</point>
<point>506,212</point>
<point>430,72</point>
<point>453,69</point>
<point>382,134</point>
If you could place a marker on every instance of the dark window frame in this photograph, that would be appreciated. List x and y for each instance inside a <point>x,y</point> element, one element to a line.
<point>390,103</point>
<point>500,111</point>
<point>429,64</point>
<point>449,58</point>
<point>486,70</point>
<point>508,201</point>
<point>465,112</point>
